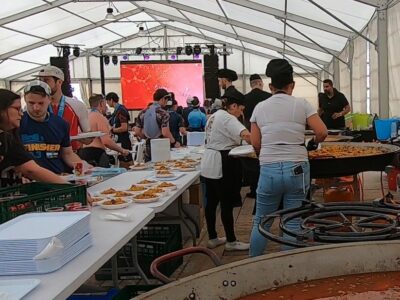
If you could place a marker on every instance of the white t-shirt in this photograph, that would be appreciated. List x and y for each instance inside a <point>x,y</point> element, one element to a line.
<point>282,122</point>
<point>222,133</point>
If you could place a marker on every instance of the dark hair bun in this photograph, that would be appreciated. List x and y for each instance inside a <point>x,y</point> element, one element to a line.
<point>277,67</point>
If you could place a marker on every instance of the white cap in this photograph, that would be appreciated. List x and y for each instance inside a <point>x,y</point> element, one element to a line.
<point>51,71</point>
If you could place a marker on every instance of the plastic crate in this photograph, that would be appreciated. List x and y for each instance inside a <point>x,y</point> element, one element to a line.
<point>153,241</point>
<point>130,291</point>
<point>95,296</point>
<point>36,197</point>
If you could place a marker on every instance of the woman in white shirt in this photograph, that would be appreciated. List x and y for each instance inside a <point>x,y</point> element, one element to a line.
<point>277,134</point>
<point>222,174</point>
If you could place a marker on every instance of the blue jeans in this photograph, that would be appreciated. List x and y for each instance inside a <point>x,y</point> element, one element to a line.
<point>278,182</point>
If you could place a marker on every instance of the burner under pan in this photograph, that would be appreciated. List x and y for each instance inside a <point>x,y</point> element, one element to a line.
<point>339,222</point>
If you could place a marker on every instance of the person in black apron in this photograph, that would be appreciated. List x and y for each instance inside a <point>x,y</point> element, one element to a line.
<point>221,173</point>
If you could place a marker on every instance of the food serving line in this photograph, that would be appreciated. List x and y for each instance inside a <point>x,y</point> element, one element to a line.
<point>110,231</point>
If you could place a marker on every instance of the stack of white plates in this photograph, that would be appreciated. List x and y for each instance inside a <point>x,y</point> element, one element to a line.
<point>26,236</point>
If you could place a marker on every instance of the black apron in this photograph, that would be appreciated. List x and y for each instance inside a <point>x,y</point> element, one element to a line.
<point>231,181</point>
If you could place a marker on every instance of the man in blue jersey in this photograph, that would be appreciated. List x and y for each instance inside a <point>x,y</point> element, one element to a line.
<point>45,135</point>
<point>196,119</point>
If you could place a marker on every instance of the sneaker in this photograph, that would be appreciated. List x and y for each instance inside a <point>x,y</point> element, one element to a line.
<point>236,246</point>
<point>213,243</point>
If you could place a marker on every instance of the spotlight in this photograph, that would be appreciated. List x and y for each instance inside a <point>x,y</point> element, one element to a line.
<point>106,59</point>
<point>165,49</point>
<point>196,56</point>
<point>125,57</point>
<point>153,49</point>
<point>172,57</point>
<point>76,51</point>
<point>66,51</point>
<point>188,50</point>
<point>110,16</point>
<point>138,51</point>
<point>114,59</point>
<point>196,49</point>
<point>179,50</point>
<point>146,57</point>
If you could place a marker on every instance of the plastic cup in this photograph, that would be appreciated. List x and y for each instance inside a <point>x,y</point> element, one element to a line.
<point>71,205</point>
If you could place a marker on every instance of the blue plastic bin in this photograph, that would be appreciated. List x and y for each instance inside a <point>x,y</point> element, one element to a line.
<point>95,296</point>
<point>383,128</point>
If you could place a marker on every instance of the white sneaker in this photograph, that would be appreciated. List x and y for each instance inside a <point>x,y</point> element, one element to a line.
<point>236,245</point>
<point>213,243</point>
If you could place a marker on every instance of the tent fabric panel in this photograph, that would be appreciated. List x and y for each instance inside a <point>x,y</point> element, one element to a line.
<point>38,55</point>
<point>10,40</point>
<point>91,38</point>
<point>9,8</point>
<point>208,22</point>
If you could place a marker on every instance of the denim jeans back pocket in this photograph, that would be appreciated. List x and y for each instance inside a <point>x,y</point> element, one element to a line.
<point>300,181</point>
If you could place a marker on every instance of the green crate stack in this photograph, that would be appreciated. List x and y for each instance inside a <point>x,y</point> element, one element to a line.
<point>37,197</point>
<point>153,241</point>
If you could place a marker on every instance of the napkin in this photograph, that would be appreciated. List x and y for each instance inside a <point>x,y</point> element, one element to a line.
<point>118,216</point>
<point>53,248</point>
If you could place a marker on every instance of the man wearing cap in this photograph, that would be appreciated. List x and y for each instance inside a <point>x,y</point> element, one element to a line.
<point>189,108</point>
<point>119,126</point>
<point>252,98</point>
<point>332,106</point>
<point>225,79</point>
<point>71,110</point>
<point>176,123</point>
<point>95,152</point>
<point>256,95</point>
<point>196,119</point>
<point>153,122</point>
<point>46,135</point>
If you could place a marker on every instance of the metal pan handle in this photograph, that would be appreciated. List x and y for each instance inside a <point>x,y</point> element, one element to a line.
<point>167,257</point>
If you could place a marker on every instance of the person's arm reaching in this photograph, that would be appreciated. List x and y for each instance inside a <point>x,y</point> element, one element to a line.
<point>319,128</point>
<point>69,157</point>
<point>256,137</point>
<point>33,171</point>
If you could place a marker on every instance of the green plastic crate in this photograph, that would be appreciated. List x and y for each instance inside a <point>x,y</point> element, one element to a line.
<point>153,241</point>
<point>36,197</point>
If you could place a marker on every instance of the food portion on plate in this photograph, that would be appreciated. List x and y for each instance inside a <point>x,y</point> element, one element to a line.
<point>164,173</point>
<point>139,166</point>
<point>122,194</point>
<point>108,191</point>
<point>167,186</point>
<point>137,188</point>
<point>156,190</point>
<point>115,203</point>
<point>161,168</point>
<point>146,197</point>
<point>147,182</point>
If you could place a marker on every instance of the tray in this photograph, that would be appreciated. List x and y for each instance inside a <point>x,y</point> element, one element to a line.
<point>85,135</point>
<point>17,288</point>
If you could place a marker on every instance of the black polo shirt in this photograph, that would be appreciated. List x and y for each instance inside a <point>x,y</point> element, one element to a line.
<point>251,99</point>
<point>330,106</point>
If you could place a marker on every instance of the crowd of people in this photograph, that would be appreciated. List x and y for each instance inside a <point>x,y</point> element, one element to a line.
<point>274,123</point>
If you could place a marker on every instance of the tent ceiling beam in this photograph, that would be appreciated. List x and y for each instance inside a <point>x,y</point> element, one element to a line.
<point>374,3</point>
<point>239,24</point>
<point>86,52</point>
<point>227,34</point>
<point>340,21</point>
<point>33,11</point>
<point>67,34</point>
<point>214,40</point>
<point>311,40</point>
<point>292,17</point>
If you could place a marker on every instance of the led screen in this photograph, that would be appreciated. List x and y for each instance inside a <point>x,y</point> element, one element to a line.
<point>139,80</point>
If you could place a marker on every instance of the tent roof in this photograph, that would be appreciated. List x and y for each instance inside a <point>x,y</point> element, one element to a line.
<point>298,29</point>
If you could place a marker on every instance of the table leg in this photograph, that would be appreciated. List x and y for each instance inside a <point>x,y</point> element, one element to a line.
<point>182,214</point>
<point>114,270</point>
<point>135,261</point>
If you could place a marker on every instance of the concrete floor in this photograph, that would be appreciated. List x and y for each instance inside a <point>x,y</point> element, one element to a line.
<point>243,222</point>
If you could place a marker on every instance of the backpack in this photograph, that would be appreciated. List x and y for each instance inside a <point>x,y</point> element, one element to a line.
<point>151,128</point>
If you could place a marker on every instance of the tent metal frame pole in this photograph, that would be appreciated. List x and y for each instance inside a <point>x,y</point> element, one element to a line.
<point>383,63</point>
<point>340,21</point>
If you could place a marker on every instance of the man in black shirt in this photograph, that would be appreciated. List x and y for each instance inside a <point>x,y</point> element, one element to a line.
<point>255,96</point>
<point>332,106</point>
<point>225,79</point>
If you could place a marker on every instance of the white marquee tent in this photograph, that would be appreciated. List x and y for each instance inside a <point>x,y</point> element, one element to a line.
<point>351,41</point>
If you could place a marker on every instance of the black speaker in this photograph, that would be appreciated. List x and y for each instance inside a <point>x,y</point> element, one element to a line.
<point>63,64</point>
<point>210,76</point>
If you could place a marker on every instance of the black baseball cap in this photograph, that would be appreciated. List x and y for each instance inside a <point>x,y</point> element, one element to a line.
<point>159,94</point>
<point>228,74</point>
<point>254,77</point>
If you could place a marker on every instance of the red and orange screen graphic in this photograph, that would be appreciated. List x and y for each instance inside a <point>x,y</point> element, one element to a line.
<point>140,80</point>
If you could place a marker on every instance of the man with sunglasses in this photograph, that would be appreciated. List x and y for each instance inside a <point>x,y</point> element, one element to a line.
<point>153,122</point>
<point>46,135</point>
<point>71,110</point>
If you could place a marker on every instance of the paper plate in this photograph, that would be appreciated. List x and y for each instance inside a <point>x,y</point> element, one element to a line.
<point>139,167</point>
<point>165,175</point>
<point>116,206</point>
<point>242,150</point>
<point>147,184</point>
<point>169,188</point>
<point>85,135</point>
<point>186,169</point>
<point>148,200</point>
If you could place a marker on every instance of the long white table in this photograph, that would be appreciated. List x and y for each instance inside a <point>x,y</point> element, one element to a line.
<point>108,238</point>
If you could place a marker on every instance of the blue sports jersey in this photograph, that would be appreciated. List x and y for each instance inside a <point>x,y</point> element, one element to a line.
<point>197,120</point>
<point>44,140</point>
